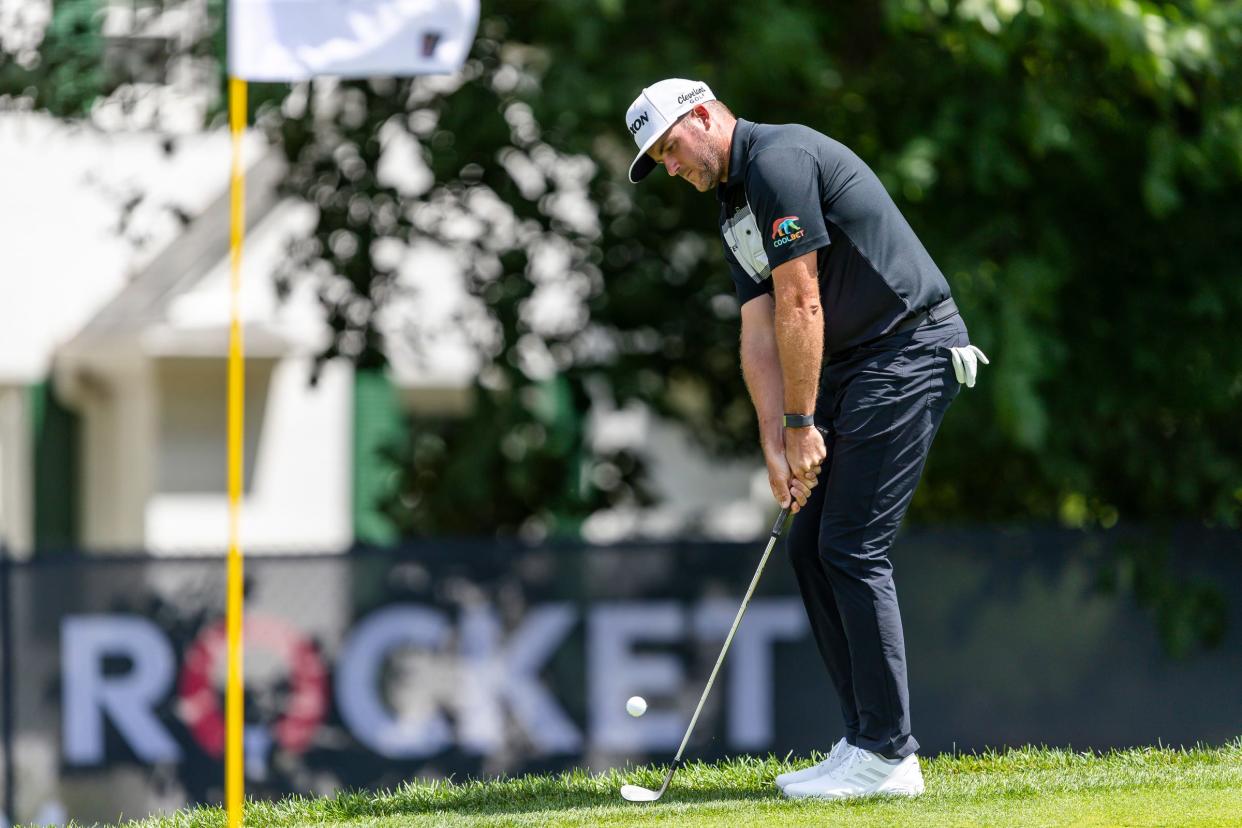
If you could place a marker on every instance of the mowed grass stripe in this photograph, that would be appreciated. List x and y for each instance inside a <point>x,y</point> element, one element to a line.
<point>1029,786</point>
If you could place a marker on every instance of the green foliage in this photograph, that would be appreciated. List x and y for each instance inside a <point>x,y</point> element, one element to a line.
<point>1074,166</point>
<point>65,75</point>
<point>1087,250</point>
<point>458,465</point>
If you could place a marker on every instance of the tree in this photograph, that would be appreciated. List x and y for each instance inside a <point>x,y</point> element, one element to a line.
<point>1074,167</point>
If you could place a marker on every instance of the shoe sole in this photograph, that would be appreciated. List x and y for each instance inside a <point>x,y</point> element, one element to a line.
<point>901,788</point>
<point>908,793</point>
<point>911,785</point>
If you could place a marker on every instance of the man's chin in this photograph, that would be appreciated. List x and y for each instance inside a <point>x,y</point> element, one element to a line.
<point>699,181</point>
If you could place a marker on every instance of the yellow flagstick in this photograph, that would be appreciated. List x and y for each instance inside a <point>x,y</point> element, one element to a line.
<point>234,779</point>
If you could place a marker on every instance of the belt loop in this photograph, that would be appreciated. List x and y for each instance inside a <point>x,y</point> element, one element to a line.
<point>947,305</point>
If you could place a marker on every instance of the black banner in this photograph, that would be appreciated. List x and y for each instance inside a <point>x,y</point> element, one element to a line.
<point>475,659</point>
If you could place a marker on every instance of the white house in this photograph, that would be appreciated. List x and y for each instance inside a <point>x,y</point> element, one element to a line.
<point>113,398</point>
<point>113,366</point>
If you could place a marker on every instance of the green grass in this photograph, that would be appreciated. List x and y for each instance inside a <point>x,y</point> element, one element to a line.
<point>1031,786</point>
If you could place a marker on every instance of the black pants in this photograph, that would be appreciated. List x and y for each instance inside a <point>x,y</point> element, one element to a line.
<point>880,406</point>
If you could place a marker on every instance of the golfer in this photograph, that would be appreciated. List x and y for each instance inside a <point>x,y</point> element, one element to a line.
<point>852,349</point>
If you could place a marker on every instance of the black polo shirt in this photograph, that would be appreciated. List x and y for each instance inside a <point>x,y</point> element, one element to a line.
<point>792,190</point>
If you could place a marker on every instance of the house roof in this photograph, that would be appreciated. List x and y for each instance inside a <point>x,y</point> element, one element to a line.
<point>94,293</point>
<point>181,265</point>
<point>80,246</point>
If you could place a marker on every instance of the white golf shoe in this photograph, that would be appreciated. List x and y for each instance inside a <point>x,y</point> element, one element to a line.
<point>863,773</point>
<point>835,757</point>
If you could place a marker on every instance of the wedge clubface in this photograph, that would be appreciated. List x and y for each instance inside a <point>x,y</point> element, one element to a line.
<point>637,793</point>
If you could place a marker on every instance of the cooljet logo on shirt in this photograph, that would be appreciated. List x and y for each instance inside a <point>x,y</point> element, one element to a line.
<point>785,230</point>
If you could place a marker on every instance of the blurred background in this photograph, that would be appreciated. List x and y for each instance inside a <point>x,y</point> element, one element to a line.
<point>501,471</point>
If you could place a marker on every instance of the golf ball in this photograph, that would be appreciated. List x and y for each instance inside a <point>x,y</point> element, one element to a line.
<point>636,706</point>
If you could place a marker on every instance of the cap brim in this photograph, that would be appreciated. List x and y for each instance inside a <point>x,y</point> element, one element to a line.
<point>641,168</point>
<point>643,163</point>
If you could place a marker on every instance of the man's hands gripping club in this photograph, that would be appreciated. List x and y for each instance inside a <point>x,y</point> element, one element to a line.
<point>789,491</point>
<point>805,452</point>
<point>791,488</point>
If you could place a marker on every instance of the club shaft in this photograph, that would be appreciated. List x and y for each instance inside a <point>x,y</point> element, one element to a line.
<point>754,582</point>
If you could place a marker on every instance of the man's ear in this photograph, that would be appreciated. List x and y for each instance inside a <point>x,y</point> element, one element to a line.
<point>704,115</point>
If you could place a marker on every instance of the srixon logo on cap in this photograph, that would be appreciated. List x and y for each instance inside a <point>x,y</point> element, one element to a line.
<point>638,123</point>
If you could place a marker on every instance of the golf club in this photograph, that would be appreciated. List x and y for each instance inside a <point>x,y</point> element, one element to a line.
<point>637,793</point>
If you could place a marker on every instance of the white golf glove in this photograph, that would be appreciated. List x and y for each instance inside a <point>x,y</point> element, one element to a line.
<point>966,363</point>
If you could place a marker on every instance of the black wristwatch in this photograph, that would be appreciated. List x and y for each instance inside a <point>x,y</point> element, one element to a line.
<point>799,420</point>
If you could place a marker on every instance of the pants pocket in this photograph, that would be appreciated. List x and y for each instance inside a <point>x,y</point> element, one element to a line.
<point>945,386</point>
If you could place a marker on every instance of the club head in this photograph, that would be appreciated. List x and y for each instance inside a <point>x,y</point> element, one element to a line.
<point>636,793</point>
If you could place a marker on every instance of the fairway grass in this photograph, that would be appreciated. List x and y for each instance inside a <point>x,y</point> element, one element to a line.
<point>1030,786</point>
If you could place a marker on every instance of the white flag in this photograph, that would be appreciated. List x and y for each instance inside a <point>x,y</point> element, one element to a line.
<point>288,40</point>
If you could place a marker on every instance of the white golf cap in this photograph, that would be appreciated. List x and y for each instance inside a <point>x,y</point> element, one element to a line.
<point>654,111</point>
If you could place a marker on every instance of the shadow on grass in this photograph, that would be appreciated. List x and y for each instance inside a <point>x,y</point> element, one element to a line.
<point>543,795</point>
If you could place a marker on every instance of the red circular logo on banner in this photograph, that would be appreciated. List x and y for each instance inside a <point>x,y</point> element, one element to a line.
<point>198,702</point>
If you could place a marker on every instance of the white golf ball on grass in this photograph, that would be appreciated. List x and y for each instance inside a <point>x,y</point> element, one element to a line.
<point>636,706</point>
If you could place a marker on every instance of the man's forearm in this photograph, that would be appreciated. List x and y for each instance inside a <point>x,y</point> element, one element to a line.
<point>800,338</point>
<point>799,329</point>
<point>761,368</point>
